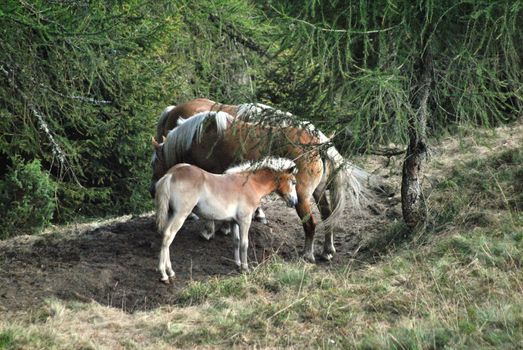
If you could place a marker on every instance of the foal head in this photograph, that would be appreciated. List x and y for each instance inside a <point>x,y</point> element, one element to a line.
<point>158,165</point>
<point>286,186</point>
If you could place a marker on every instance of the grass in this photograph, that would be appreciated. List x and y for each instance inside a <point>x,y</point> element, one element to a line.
<point>17,337</point>
<point>459,284</point>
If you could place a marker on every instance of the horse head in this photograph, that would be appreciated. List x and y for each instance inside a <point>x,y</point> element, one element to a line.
<point>158,164</point>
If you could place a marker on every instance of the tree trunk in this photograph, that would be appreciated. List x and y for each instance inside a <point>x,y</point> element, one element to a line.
<point>412,200</point>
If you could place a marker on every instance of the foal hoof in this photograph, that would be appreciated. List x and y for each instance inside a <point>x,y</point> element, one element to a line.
<point>165,282</point>
<point>245,269</point>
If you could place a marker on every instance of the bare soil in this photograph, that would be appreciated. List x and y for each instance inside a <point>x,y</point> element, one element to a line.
<point>114,263</point>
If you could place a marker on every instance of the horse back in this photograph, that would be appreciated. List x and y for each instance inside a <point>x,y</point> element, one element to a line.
<point>187,110</point>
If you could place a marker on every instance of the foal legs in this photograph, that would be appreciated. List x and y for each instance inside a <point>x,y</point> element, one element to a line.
<point>174,225</point>
<point>244,225</point>
<point>325,211</point>
<point>236,238</point>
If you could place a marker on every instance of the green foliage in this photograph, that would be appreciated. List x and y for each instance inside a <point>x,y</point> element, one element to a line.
<point>83,83</point>
<point>27,199</point>
<point>354,64</point>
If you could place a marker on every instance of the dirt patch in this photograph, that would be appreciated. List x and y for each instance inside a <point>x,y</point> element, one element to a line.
<point>115,263</point>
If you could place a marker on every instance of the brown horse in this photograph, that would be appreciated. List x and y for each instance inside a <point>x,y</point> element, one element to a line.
<point>230,197</point>
<point>214,141</point>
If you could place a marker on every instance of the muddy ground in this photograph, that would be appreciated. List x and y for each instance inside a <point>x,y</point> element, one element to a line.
<point>114,263</point>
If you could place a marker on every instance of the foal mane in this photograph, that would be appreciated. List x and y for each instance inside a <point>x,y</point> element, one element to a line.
<point>180,139</point>
<point>272,163</point>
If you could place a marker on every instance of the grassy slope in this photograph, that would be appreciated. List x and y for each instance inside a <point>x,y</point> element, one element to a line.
<point>459,284</point>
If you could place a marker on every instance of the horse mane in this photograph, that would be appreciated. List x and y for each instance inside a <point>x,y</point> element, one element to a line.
<point>355,176</point>
<point>161,122</point>
<point>180,139</point>
<point>272,163</point>
<point>267,115</point>
<point>258,112</point>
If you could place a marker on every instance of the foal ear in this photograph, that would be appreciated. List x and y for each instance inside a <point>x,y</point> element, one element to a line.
<point>156,145</point>
<point>163,139</point>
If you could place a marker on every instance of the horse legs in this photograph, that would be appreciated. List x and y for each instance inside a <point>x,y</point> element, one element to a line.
<point>174,225</point>
<point>325,211</point>
<point>226,228</point>
<point>259,216</point>
<point>208,231</point>
<point>244,224</point>
<point>309,225</point>
<point>193,217</point>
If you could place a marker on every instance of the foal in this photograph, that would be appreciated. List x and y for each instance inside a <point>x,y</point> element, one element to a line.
<point>233,196</point>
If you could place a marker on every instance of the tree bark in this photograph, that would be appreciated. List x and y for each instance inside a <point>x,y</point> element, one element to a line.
<point>412,199</point>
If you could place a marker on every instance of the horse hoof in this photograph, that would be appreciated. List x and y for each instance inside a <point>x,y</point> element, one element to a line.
<point>327,256</point>
<point>262,221</point>
<point>245,269</point>
<point>309,258</point>
<point>224,232</point>
<point>206,236</point>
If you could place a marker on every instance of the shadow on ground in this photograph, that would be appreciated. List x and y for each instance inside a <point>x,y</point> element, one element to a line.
<point>115,264</point>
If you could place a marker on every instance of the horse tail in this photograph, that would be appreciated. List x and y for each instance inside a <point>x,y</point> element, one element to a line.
<point>162,199</point>
<point>344,177</point>
<point>161,123</point>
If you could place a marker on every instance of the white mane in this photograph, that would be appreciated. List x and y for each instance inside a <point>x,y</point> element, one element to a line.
<point>274,163</point>
<point>180,139</point>
<point>257,112</point>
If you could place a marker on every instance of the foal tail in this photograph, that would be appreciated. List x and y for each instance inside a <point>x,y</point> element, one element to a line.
<point>162,199</point>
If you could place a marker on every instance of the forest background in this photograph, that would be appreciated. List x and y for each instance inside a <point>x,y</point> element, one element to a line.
<point>83,83</point>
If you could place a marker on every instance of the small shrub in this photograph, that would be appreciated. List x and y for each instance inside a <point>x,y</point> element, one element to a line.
<point>26,199</point>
